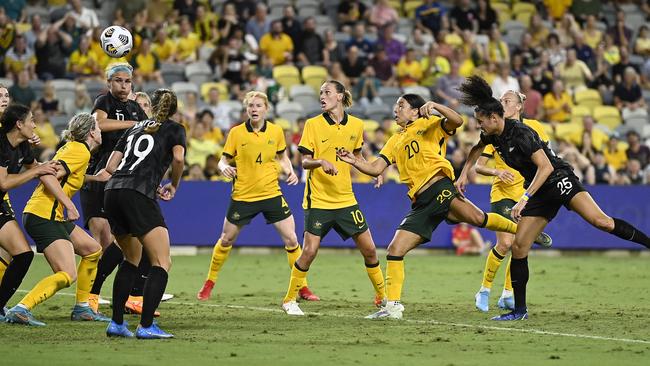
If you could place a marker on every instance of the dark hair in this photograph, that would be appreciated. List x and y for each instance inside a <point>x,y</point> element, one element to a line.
<point>347,96</point>
<point>414,100</point>
<point>164,105</point>
<point>13,113</point>
<point>477,93</point>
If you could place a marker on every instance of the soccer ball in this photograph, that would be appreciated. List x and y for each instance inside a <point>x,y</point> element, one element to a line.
<point>116,41</point>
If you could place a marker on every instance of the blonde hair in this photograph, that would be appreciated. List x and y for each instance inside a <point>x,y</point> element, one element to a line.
<point>256,94</point>
<point>116,67</point>
<point>520,96</point>
<point>340,88</point>
<point>143,95</point>
<point>79,127</point>
<point>164,105</point>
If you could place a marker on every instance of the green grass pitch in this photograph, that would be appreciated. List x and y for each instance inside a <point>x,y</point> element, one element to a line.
<point>585,310</point>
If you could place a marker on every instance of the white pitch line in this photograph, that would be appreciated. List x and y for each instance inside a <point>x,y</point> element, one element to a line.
<point>433,322</point>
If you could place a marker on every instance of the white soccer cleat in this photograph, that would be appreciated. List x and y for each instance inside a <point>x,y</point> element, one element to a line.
<point>103,301</point>
<point>392,310</point>
<point>292,308</point>
<point>167,297</point>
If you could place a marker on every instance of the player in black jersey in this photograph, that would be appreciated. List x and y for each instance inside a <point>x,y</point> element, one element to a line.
<point>549,181</point>
<point>141,158</point>
<point>15,153</point>
<point>115,113</point>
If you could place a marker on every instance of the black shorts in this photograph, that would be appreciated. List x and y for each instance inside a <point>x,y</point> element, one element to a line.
<point>548,200</point>
<point>274,209</point>
<point>6,213</point>
<point>347,221</point>
<point>92,204</point>
<point>45,232</point>
<point>132,213</point>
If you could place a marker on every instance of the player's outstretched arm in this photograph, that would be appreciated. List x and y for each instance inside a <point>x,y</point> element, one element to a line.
<point>503,174</point>
<point>373,169</point>
<point>106,124</point>
<point>308,162</point>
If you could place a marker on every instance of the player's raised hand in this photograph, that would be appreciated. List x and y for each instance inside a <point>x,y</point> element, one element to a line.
<point>292,178</point>
<point>328,167</point>
<point>166,192</point>
<point>229,172</point>
<point>346,156</point>
<point>427,109</point>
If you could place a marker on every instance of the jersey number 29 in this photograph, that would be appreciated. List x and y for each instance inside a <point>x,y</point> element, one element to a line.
<point>140,153</point>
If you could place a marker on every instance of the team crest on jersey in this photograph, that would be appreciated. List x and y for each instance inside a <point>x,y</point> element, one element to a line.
<point>235,216</point>
<point>271,142</point>
<point>353,137</point>
<point>421,132</point>
<point>318,225</point>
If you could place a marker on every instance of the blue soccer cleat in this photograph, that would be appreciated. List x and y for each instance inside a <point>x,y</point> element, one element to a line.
<point>20,315</point>
<point>544,240</point>
<point>506,302</point>
<point>3,311</point>
<point>513,315</point>
<point>483,300</point>
<point>152,332</point>
<point>118,330</point>
<point>86,313</point>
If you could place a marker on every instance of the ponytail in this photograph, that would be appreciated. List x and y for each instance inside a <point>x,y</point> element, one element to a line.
<point>477,93</point>
<point>164,105</point>
<point>79,127</point>
<point>347,96</point>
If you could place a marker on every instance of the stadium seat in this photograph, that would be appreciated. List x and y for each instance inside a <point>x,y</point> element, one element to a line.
<point>378,112</point>
<point>95,88</point>
<point>36,85</point>
<point>409,8</point>
<point>172,72</point>
<point>64,89</point>
<point>284,123</point>
<point>589,98</point>
<point>314,76</point>
<point>522,7</point>
<point>150,87</point>
<point>182,88</point>
<point>513,26</point>
<point>308,8</point>
<point>499,7</point>
<point>579,111</point>
<point>637,122</point>
<point>504,16</point>
<point>524,18</point>
<point>389,95</point>
<point>198,72</point>
<point>224,94</point>
<point>59,123</point>
<point>286,75</point>
<point>357,110</point>
<point>608,116</point>
<point>290,111</point>
<point>419,90</point>
<point>303,92</point>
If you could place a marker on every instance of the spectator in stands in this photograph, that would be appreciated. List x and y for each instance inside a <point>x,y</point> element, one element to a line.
<point>48,103</point>
<point>190,108</point>
<point>538,31</point>
<point>558,103</point>
<point>333,51</point>
<point>211,170</point>
<point>146,64</point>
<point>245,8</point>
<point>448,87</point>
<point>517,70</point>
<point>486,17</point>
<point>188,42</point>
<point>588,139</point>
<point>409,70</point>
<point>533,105</point>
<point>45,131</point>
<point>467,240</point>
<point>186,8</point>
<point>580,163</point>
<point>221,112</point>
<point>351,12</point>
<point>503,81</point>
<point>394,48</point>
<point>260,24</point>
<point>163,47</point>
<point>21,92</point>
<point>35,29</point>
<point>541,82</point>
<point>277,45</point>
<point>52,46</point>
<point>615,152</point>
<point>612,51</point>
<point>20,57</point>
<point>420,42</point>
<point>620,33</point>
<point>633,174</point>
<point>428,16</point>
<point>528,53</point>
<point>366,88</point>
<point>556,53</point>
<point>618,69</point>
<point>636,150</point>
<point>497,49</point>
<point>7,33</point>
<point>584,53</point>
<point>360,41</point>
<point>15,10</point>
<point>310,46</point>
<point>82,101</point>
<point>433,67</point>
<point>234,65</point>
<point>382,14</point>
<point>628,96</point>
<point>557,8</point>
<point>602,172</point>
<point>157,11</point>
<point>574,73</point>
<point>228,21</point>
<point>212,133</point>
<point>205,25</point>
<point>85,18</point>
<point>383,67</point>
<point>290,24</point>
<point>378,141</point>
<point>195,173</point>
<point>353,65</point>
<point>602,79</point>
<point>69,26</point>
<point>592,35</point>
<point>566,29</point>
<point>199,147</point>
<point>642,43</point>
<point>582,9</point>
<point>125,10</point>
<point>82,63</point>
<point>463,17</point>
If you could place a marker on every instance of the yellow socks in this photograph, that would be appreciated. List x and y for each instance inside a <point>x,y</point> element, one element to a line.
<point>45,289</point>
<point>496,222</point>
<point>86,271</point>
<point>508,282</point>
<point>492,264</point>
<point>297,281</point>
<point>394,277</point>
<point>3,268</point>
<point>293,255</point>
<point>377,279</point>
<point>219,257</point>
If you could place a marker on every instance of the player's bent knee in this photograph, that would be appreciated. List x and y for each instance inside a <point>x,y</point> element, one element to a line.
<point>604,223</point>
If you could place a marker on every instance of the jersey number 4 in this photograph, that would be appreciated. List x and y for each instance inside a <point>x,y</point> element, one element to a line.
<point>137,150</point>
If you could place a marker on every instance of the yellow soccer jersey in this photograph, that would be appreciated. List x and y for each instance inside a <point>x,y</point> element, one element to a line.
<point>321,138</point>
<point>500,189</point>
<point>419,152</point>
<point>254,154</point>
<point>74,156</point>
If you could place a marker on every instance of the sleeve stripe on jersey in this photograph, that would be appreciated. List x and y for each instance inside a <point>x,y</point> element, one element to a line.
<point>67,170</point>
<point>489,156</point>
<point>305,151</point>
<point>443,122</point>
<point>385,159</point>
<point>227,155</point>
<point>281,151</point>
<point>356,150</point>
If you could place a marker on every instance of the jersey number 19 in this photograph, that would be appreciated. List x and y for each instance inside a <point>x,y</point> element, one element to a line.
<point>137,150</point>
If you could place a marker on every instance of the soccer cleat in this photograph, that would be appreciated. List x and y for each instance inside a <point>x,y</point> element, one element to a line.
<point>506,302</point>
<point>86,313</point>
<point>306,294</point>
<point>118,330</point>
<point>204,293</point>
<point>20,315</point>
<point>167,297</point>
<point>513,315</point>
<point>483,300</point>
<point>392,310</point>
<point>134,306</point>
<point>103,301</point>
<point>544,240</point>
<point>380,301</point>
<point>3,311</point>
<point>152,332</point>
<point>292,308</point>
<point>93,302</point>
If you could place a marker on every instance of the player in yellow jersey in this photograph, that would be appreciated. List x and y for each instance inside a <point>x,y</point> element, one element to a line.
<point>249,157</point>
<point>419,151</point>
<point>55,234</point>
<point>329,201</point>
<point>507,188</point>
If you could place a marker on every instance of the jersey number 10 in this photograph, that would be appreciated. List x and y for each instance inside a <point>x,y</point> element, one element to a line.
<point>140,153</point>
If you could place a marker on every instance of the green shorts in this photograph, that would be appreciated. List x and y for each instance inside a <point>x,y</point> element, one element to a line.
<point>347,222</point>
<point>430,209</point>
<point>274,209</point>
<point>45,232</point>
<point>503,207</point>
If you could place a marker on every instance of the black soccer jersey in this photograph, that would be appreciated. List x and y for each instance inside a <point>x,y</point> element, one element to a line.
<point>115,109</point>
<point>13,158</point>
<point>146,157</point>
<point>516,145</point>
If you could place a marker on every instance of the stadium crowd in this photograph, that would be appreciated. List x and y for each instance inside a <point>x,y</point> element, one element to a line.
<point>583,67</point>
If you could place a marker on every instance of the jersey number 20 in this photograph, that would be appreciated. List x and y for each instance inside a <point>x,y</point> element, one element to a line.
<point>140,153</point>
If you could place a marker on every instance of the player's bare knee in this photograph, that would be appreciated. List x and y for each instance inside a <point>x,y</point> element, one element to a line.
<point>227,240</point>
<point>503,246</point>
<point>604,223</point>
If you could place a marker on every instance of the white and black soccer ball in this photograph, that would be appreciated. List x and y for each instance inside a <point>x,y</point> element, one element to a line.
<point>116,41</point>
